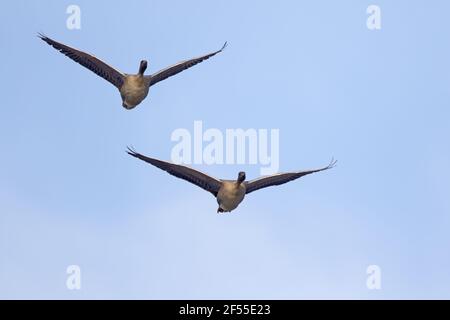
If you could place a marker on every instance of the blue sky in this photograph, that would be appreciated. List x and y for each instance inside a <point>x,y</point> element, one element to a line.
<point>375,100</point>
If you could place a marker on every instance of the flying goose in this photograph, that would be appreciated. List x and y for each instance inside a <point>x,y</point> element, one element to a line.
<point>229,193</point>
<point>133,87</point>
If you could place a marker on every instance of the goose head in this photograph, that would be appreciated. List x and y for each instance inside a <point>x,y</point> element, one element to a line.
<point>241,177</point>
<point>142,67</point>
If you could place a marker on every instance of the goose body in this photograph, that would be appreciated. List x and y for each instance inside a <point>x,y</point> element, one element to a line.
<point>133,88</point>
<point>229,193</point>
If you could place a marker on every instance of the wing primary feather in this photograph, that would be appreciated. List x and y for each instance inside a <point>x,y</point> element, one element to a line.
<point>181,66</point>
<point>198,178</point>
<point>88,61</point>
<point>281,178</point>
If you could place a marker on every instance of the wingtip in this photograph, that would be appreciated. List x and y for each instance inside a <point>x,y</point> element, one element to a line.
<point>41,35</point>
<point>44,38</point>
<point>332,163</point>
<point>131,151</point>
<point>224,46</point>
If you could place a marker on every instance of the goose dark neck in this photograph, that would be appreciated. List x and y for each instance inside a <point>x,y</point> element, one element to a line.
<point>142,68</point>
<point>241,178</point>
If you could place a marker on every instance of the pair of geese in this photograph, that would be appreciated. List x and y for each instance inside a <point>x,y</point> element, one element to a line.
<point>134,89</point>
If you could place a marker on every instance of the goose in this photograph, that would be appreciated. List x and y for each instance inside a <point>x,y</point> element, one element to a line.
<point>229,193</point>
<point>133,88</point>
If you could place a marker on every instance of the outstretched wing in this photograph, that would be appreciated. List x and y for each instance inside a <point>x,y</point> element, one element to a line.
<point>180,66</point>
<point>198,178</point>
<point>89,61</point>
<point>280,178</point>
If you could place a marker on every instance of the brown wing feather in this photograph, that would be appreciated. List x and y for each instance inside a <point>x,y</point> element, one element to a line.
<point>180,66</point>
<point>198,178</point>
<point>281,178</point>
<point>88,61</point>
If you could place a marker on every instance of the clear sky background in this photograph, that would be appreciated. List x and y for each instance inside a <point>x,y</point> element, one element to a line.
<point>378,101</point>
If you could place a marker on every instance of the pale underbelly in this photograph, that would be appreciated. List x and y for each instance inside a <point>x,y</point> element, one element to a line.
<point>132,95</point>
<point>229,202</point>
